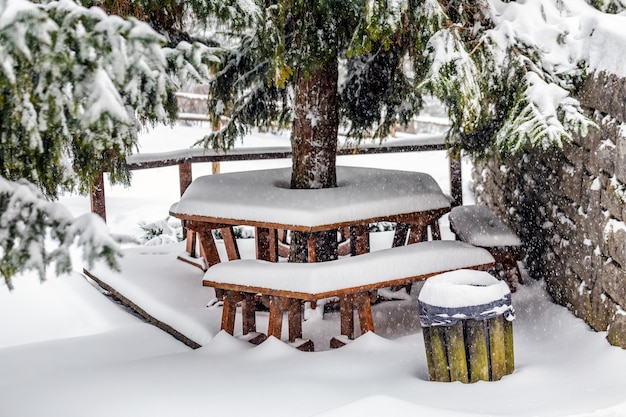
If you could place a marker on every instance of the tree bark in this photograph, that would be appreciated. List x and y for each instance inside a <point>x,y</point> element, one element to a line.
<point>314,149</point>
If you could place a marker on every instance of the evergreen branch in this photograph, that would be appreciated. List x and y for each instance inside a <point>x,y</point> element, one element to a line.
<point>27,216</point>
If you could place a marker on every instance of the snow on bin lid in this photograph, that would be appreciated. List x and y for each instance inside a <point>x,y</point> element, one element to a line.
<point>463,294</point>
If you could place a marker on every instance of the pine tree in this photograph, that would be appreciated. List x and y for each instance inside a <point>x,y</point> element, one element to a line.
<point>75,87</point>
<point>315,65</point>
<point>376,60</point>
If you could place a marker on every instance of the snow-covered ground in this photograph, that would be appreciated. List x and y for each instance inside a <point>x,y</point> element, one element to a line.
<point>66,350</point>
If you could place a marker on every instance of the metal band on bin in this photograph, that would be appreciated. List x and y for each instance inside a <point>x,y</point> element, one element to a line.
<point>446,316</point>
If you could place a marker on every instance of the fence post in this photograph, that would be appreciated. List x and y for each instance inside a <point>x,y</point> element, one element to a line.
<point>97,198</point>
<point>456,181</point>
<point>185,178</point>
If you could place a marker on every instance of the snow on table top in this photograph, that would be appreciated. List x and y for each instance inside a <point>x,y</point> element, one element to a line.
<point>350,272</point>
<point>478,226</point>
<point>463,288</point>
<point>265,196</point>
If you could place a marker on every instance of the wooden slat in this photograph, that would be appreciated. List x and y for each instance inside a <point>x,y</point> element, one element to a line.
<point>457,358</point>
<point>497,350</point>
<point>421,218</point>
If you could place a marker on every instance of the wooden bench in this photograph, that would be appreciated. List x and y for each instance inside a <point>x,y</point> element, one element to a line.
<point>479,226</point>
<point>351,279</point>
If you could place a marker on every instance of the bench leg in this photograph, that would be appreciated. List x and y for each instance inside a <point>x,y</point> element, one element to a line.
<point>275,325</point>
<point>209,250</point>
<point>418,234</point>
<point>294,318</point>
<point>512,273</point>
<point>346,310</point>
<point>399,236</point>
<point>228,312</point>
<point>248,314</point>
<point>364,308</point>
<point>434,230</point>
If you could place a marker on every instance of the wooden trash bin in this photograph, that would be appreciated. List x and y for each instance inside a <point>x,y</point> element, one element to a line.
<point>466,319</point>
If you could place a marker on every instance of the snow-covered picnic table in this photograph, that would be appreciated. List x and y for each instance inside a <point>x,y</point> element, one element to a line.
<point>264,200</point>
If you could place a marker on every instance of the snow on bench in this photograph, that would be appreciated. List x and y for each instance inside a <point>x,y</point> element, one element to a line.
<point>351,279</point>
<point>479,226</point>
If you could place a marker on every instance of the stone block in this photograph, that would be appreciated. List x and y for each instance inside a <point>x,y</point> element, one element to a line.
<point>612,199</point>
<point>605,92</point>
<point>575,155</point>
<point>591,140</point>
<point>590,194</point>
<point>602,310</point>
<point>616,334</point>
<point>571,182</point>
<point>603,158</point>
<point>620,160</point>
<point>611,278</point>
<point>615,236</point>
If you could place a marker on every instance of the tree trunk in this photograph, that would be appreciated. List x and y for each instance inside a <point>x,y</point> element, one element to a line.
<point>314,149</point>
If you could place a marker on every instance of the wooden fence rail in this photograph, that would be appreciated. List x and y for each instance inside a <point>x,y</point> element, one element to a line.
<point>187,157</point>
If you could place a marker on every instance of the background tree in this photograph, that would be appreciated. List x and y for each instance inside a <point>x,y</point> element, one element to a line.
<point>75,87</point>
<point>316,65</point>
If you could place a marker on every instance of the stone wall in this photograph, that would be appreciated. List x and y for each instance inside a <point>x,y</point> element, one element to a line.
<point>568,206</point>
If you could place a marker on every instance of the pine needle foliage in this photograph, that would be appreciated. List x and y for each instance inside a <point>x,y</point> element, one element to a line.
<point>76,86</point>
<point>391,54</point>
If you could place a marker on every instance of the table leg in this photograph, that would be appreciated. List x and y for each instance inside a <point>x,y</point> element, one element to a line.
<point>190,245</point>
<point>399,236</point>
<point>266,244</point>
<point>434,230</point>
<point>359,239</point>
<point>230,243</point>
<point>210,253</point>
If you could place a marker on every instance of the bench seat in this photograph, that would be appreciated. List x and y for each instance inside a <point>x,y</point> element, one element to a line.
<point>479,226</point>
<point>351,279</point>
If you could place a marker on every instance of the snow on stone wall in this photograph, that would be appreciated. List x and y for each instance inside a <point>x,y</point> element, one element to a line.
<point>569,209</point>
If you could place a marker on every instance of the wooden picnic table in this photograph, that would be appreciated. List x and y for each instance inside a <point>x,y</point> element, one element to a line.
<point>263,199</point>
